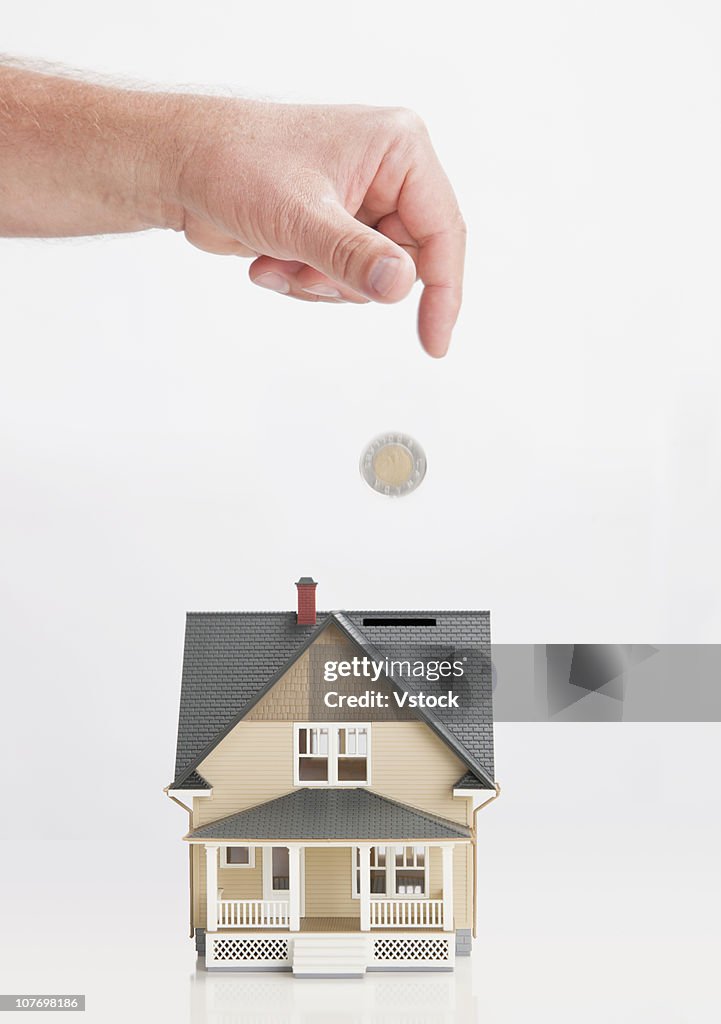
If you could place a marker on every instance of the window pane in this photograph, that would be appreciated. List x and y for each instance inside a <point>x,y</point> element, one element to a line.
<point>350,741</point>
<point>341,741</point>
<point>399,856</point>
<point>381,855</point>
<point>352,769</point>
<point>410,883</point>
<point>280,860</point>
<point>322,741</point>
<point>378,880</point>
<point>313,769</point>
<point>281,868</point>
<point>363,741</point>
<point>420,856</point>
<point>409,856</point>
<point>303,741</point>
<point>238,855</point>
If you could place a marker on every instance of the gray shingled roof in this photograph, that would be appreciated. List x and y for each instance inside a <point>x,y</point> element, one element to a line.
<point>194,781</point>
<point>230,657</point>
<point>470,781</point>
<point>331,814</point>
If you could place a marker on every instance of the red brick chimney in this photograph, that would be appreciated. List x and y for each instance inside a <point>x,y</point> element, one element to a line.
<point>306,601</point>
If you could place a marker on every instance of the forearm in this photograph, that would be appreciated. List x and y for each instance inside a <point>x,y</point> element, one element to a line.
<point>81,159</point>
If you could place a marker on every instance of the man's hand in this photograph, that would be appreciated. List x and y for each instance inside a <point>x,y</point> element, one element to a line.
<point>335,203</point>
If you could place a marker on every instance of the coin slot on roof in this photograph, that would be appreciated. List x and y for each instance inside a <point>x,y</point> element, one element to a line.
<point>398,622</point>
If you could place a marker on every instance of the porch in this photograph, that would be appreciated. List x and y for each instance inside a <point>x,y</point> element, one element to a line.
<point>378,873</point>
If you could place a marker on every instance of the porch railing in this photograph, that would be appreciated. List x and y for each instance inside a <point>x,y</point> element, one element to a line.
<point>406,913</point>
<point>252,913</point>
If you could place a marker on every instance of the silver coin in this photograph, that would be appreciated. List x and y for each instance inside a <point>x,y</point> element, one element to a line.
<point>393,464</point>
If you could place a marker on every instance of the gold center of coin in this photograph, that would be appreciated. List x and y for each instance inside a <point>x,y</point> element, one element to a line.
<point>393,464</point>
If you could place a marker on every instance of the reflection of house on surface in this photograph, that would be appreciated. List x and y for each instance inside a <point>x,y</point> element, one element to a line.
<point>398,998</point>
<point>332,840</point>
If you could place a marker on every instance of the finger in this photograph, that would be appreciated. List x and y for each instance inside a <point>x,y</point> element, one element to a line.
<point>393,227</point>
<point>428,208</point>
<point>440,267</point>
<point>353,254</point>
<point>290,277</point>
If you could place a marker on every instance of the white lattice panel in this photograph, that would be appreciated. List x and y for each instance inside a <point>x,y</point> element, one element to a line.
<point>258,950</point>
<point>433,951</point>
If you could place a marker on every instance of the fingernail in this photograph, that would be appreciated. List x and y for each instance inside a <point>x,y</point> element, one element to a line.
<point>325,290</point>
<point>276,283</point>
<point>384,274</point>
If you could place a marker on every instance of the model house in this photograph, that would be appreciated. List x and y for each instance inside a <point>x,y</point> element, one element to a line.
<point>332,765</point>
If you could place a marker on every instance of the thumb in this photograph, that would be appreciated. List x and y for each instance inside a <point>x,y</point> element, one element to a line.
<point>351,253</point>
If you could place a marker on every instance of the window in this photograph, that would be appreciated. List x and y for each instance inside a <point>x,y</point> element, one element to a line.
<point>237,857</point>
<point>332,755</point>
<point>378,871</point>
<point>313,754</point>
<point>352,753</point>
<point>395,871</point>
<point>410,870</point>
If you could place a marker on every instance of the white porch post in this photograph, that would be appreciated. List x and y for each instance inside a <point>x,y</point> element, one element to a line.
<point>211,887</point>
<point>447,853</point>
<point>364,890</point>
<point>294,888</point>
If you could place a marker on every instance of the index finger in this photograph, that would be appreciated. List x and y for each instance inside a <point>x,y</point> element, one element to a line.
<point>428,207</point>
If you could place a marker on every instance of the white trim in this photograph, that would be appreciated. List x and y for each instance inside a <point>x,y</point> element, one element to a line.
<point>365,883</point>
<point>328,843</point>
<point>333,729</point>
<point>224,863</point>
<point>211,876</point>
<point>472,793</point>
<point>302,881</point>
<point>447,854</point>
<point>185,794</point>
<point>294,891</point>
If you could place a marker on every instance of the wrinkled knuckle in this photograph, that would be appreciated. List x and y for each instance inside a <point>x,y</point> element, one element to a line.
<point>347,256</point>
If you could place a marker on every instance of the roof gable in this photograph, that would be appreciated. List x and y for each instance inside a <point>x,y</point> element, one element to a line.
<point>232,660</point>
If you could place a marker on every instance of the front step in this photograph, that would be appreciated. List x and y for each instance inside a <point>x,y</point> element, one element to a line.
<point>322,956</point>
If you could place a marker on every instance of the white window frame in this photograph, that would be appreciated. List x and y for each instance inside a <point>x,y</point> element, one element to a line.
<point>390,893</point>
<point>333,730</point>
<point>225,863</point>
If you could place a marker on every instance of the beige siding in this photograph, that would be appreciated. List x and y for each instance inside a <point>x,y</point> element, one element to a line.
<point>254,763</point>
<point>410,764</point>
<point>462,894</point>
<point>328,882</point>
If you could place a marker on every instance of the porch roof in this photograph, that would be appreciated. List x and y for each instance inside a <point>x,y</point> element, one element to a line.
<point>332,814</point>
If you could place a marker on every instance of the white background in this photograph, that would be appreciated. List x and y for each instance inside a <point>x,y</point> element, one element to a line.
<point>172,438</point>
